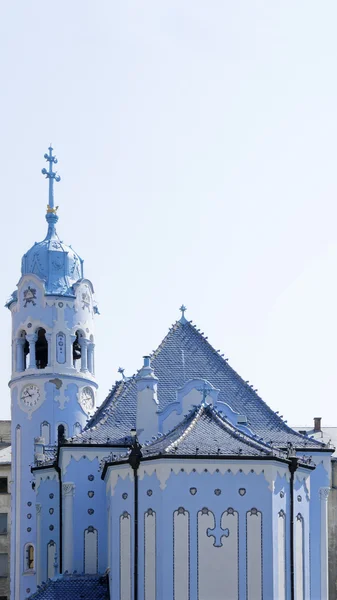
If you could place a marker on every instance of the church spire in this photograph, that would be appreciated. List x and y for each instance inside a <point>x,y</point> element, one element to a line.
<point>51,215</point>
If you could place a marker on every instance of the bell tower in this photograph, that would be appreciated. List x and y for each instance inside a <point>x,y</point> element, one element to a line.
<point>53,384</point>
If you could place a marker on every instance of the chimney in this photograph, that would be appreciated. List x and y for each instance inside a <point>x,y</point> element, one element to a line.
<point>317,424</point>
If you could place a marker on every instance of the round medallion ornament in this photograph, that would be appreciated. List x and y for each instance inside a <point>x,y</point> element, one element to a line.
<point>29,529</point>
<point>51,496</point>
<point>193,491</point>
<point>29,503</point>
<point>51,527</point>
<point>29,516</point>
<point>60,304</point>
<point>51,511</point>
<point>91,494</point>
<point>217,492</point>
<point>281,494</point>
<point>91,477</point>
<point>299,498</point>
<point>242,491</point>
<point>124,496</point>
<point>149,492</point>
<point>91,511</point>
<point>29,325</point>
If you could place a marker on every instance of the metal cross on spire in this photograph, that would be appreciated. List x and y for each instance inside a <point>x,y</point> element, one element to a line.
<point>183,309</point>
<point>51,175</point>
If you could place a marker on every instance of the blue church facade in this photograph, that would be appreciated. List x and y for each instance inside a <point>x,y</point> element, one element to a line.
<point>182,485</point>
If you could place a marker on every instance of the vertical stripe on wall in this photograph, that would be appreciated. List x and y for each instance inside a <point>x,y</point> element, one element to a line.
<point>90,550</point>
<point>181,554</point>
<point>38,557</point>
<point>281,549</point>
<point>217,555</point>
<point>17,480</point>
<point>51,550</point>
<point>299,562</point>
<point>254,554</point>
<point>150,554</point>
<point>230,540</point>
<point>125,574</point>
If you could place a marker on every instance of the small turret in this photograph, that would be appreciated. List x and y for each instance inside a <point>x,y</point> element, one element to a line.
<point>147,402</point>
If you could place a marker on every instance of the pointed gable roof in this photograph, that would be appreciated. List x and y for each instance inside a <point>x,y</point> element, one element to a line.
<point>185,354</point>
<point>204,432</point>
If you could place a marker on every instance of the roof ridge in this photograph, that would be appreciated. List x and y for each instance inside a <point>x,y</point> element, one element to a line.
<point>188,430</point>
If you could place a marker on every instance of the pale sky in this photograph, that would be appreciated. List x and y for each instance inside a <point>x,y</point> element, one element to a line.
<point>197,149</point>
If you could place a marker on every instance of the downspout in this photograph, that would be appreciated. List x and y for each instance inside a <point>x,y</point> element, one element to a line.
<point>292,468</point>
<point>134,460</point>
<point>58,469</point>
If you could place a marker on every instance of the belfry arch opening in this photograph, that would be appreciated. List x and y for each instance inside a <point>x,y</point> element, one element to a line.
<point>77,351</point>
<point>41,349</point>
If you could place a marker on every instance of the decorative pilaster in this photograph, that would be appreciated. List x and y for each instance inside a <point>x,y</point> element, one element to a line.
<point>49,338</point>
<point>84,354</point>
<point>32,339</point>
<point>68,492</point>
<point>38,543</point>
<point>19,344</point>
<point>324,494</point>
<point>91,347</point>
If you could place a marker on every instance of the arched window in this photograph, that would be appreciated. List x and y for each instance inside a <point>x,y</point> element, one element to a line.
<point>41,349</point>
<point>62,432</point>
<point>45,432</point>
<point>29,557</point>
<point>90,550</point>
<point>51,555</point>
<point>77,429</point>
<point>77,348</point>
<point>22,349</point>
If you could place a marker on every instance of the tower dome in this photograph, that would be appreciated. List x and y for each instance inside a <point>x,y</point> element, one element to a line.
<point>58,265</point>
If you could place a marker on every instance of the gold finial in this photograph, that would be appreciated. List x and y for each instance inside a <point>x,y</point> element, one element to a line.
<point>51,210</point>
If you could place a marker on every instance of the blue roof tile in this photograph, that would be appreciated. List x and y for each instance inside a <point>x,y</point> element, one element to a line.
<point>205,432</point>
<point>74,587</point>
<point>185,354</point>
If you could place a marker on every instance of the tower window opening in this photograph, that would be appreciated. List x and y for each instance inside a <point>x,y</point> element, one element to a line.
<point>29,557</point>
<point>77,348</point>
<point>22,350</point>
<point>41,349</point>
<point>61,433</point>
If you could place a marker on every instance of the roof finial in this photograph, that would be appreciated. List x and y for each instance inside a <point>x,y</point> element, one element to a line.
<point>183,309</point>
<point>51,175</point>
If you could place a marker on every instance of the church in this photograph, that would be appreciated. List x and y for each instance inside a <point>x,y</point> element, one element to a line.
<point>182,485</point>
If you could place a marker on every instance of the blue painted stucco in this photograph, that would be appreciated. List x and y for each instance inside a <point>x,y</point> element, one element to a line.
<point>210,442</point>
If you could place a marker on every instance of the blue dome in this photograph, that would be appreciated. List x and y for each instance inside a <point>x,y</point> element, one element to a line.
<point>58,265</point>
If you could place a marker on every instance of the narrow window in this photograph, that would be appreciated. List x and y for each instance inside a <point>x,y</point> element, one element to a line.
<point>61,433</point>
<point>3,485</point>
<point>29,557</point>
<point>3,565</point>
<point>76,349</point>
<point>22,349</point>
<point>77,429</point>
<point>3,523</point>
<point>41,349</point>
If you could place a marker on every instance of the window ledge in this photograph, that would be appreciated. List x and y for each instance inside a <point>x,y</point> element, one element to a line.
<point>30,572</point>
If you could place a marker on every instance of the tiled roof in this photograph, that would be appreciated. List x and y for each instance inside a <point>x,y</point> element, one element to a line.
<point>205,432</point>
<point>185,354</point>
<point>74,587</point>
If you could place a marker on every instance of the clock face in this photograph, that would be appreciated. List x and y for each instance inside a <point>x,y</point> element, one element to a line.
<point>30,395</point>
<point>87,399</point>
